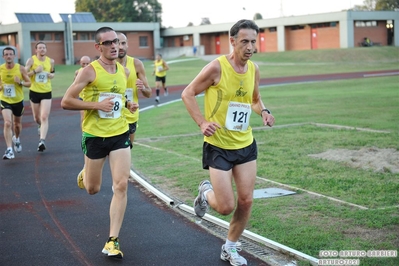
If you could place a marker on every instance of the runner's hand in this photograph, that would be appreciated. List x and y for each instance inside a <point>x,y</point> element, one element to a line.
<point>106,105</point>
<point>132,107</point>
<point>209,128</point>
<point>268,120</point>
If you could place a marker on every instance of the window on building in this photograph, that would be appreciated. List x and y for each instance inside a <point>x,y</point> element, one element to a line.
<point>57,36</point>
<point>297,27</point>
<point>84,36</point>
<point>369,23</point>
<point>33,37</point>
<point>143,41</point>
<point>324,25</point>
<point>45,37</point>
<point>273,29</point>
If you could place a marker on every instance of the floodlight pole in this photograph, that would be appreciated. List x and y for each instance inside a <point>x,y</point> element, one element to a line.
<point>70,39</point>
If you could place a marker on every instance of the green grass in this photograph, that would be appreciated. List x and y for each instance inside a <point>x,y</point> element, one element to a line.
<point>168,152</point>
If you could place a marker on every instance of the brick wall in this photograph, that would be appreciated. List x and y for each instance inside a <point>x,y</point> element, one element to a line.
<point>328,38</point>
<point>271,42</point>
<point>299,39</point>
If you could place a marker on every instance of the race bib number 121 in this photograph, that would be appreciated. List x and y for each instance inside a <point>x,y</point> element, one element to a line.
<point>237,118</point>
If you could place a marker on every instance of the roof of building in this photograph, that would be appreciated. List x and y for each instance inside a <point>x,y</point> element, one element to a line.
<point>34,17</point>
<point>79,17</point>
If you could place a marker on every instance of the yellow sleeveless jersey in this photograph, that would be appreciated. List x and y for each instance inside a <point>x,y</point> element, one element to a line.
<point>40,82</point>
<point>228,103</point>
<point>159,68</point>
<point>99,123</point>
<point>11,92</point>
<point>131,93</point>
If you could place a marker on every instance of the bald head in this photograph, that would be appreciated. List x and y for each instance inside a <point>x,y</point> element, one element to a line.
<point>84,61</point>
<point>122,45</point>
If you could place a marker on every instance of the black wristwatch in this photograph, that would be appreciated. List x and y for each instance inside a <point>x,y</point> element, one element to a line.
<point>265,110</point>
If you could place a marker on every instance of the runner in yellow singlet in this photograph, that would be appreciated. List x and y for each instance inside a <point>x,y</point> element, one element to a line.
<point>105,128</point>
<point>231,86</point>
<point>13,77</point>
<point>137,81</point>
<point>41,70</point>
<point>160,68</point>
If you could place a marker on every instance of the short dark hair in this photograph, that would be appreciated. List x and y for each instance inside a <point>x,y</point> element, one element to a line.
<point>8,48</point>
<point>102,30</point>
<point>40,43</point>
<point>243,24</point>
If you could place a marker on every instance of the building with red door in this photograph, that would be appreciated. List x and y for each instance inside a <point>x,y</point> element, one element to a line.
<point>73,36</point>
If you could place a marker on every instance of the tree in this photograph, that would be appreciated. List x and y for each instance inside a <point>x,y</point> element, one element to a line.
<point>205,21</point>
<point>368,5</point>
<point>371,5</point>
<point>257,16</point>
<point>387,5</point>
<point>121,10</point>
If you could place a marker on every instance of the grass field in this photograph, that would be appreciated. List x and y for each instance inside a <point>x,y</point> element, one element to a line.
<point>169,146</point>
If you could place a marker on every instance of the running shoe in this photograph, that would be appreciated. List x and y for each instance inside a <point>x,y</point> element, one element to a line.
<point>157,99</point>
<point>200,203</point>
<point>8,155</point>
<point>112,248</point>
<point>232,255</point>
<point>17,144</point>
<point>80,179</point>
<point>42,146</point>
<point>166,93</point>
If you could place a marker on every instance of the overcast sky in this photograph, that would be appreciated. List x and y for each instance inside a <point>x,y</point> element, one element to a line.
<point>178,13</point>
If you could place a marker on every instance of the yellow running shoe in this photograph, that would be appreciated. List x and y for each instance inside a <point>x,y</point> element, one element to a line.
<point>111,248</point>
<point>80,179</point>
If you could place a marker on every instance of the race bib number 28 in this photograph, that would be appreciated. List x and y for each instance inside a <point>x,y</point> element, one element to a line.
<point>238,114</point>
<point>116,110</point>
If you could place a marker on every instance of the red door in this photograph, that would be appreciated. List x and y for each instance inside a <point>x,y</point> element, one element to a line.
<point>262,43</point>
<point>314,39</point>
<point>217,44</point>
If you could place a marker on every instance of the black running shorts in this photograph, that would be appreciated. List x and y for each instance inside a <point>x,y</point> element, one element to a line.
<point>36,97</point>
<point>16,108</point>
<point>97,147</point>
<point>132,128</point>
<point>222,159</point>
<point>162,79</point>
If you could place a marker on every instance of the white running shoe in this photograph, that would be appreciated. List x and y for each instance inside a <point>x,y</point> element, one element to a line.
<point>200,202</point>
<point>232,255</point>
<point>166,93</point>
<point>42,146</point>
<point>8,155</point>
<point>17,144</point>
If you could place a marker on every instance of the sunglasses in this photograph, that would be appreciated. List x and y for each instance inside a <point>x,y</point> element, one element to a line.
<point>109,43</point>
